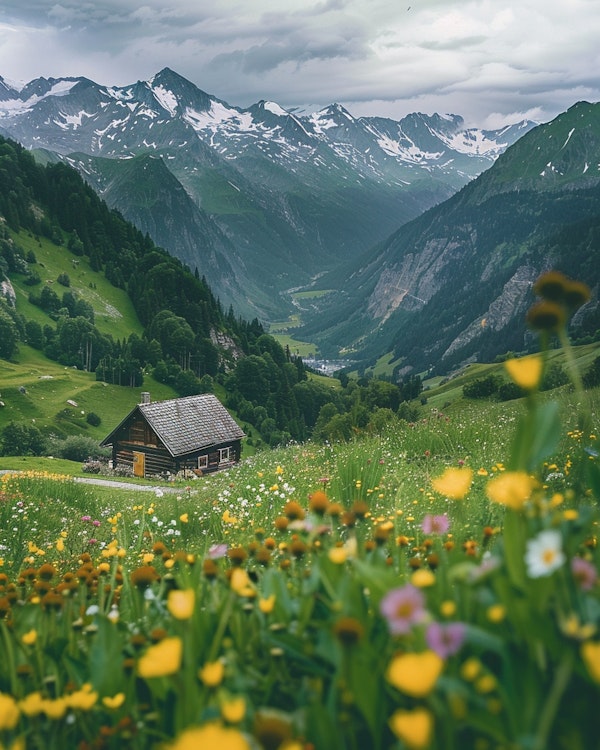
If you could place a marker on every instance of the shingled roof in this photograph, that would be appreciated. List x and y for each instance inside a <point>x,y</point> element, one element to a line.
<point>187,424</point>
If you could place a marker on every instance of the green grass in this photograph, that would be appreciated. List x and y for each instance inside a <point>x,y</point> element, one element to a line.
<point>297,348</point>
<point>50,385</point>
<point>312,293</point>
<point>113,310</point>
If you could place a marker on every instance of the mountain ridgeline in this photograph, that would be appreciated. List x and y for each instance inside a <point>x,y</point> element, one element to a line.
<point>260,199</point>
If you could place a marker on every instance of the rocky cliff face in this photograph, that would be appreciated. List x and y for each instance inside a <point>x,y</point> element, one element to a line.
<point>7,291</point>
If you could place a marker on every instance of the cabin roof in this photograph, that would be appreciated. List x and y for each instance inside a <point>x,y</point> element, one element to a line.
<point>187,424</point>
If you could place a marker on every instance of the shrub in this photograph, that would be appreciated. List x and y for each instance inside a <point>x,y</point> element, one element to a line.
<point>22,440</point>
<point>79,448</point>
<point>93,419</point>
<point>510,391</point>
<point>482,387</point>
<point>591,377</point>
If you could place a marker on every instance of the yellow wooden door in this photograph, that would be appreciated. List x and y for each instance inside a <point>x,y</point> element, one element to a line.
<point>138,464</point>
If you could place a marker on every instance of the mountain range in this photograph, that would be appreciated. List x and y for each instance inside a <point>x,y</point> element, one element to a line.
<point>417,239</point>
<point>260,200</point>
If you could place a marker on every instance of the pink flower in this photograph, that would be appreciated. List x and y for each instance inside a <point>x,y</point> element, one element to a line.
<point>445,640</point>
<point>435,524</point>
<point>584,573</point>
<point>217,551</point>
<point>402,608</point>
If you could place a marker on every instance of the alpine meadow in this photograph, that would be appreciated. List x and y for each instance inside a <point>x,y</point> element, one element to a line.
<point>299,425</point>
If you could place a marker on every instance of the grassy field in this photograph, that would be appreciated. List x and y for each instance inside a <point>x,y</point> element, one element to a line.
<point>407,590</point>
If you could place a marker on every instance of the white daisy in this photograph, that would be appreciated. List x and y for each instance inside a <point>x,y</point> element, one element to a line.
<point>544,554</point>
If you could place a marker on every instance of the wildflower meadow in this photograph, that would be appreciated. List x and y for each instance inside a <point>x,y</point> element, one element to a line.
<point>434,587</point>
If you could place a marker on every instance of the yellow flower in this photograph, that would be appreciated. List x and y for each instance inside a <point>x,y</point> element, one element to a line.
<point>470,669</point>
<point>234,709</point>
<point>180,603</point>
<point>116,701</point>
<point>454,482</point>
<point>512,488</point>
<point>212,673</point>
<point>267,604</point>
<point>422,578</point>
<point>590,653</point>
<point>32,704</point>
<point>240,583</point>
<point>279,470</point>
<point>525,372</point>
<point>338,555</point>
<point>60,545</point>
<point>496,613</point>
<point>29,638</point>
<point>228,518</point>
<point>448,608</point>
<point>162,659</point>
<point>209,736</point>
<point>414,727</point>
<point>485,684</point>
<point>573,628</point>
<point>54,709</point>
<point>415,674</point>
<point>9,712</point>
<point>82,699</point>
<point>184,518</point>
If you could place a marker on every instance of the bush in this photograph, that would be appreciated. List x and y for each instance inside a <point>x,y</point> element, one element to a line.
<point>79,448</point>
<point>22,440</point>
<point>93,419</point>
<point>510,391</point>
<point>482,387</point>
<point>591,377</point>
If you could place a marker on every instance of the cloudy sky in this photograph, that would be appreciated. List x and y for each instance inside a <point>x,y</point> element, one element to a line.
<point>491,61</point>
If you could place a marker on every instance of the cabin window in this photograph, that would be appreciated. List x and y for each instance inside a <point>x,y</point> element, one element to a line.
<point>224,455</point>
<point>203,462</point>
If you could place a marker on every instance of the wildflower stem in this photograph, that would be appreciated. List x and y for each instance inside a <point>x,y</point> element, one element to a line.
<point>559,685</point>
<point>220,631</point>
<point>10,658</point>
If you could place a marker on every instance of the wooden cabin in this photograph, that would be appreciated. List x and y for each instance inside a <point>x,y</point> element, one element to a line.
<point>195,433</point>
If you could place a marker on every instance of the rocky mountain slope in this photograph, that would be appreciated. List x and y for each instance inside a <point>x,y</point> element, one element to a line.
<point>453,285</point>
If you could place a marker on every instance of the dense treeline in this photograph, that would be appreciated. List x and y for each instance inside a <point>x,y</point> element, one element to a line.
<point>183,322</point>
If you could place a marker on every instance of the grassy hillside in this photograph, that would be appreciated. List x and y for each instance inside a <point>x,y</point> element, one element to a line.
<point>49,385</point>
<point>113,309</point>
